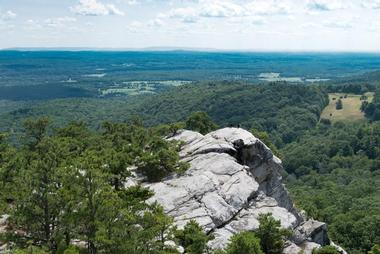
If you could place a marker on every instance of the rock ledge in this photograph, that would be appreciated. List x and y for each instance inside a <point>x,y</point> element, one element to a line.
<point>232,179</point>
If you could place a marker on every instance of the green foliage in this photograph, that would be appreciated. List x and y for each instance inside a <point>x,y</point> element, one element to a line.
<point>193,238</point>
<point>339,104</point>
<point>326,250</point>
<point>334,177</point>
<point>272,236</point>
<point>35,130</point>
<point>199,121</point>
<point>72,250</point>
<point>244,243</point>
<point>283,110</point>
<point>69,185</point>
<point>160,159</point>
<point>372,110</point>
<point>30,250</point>
<point>375,249</point>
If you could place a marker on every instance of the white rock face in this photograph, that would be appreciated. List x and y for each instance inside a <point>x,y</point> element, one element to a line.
<point>233,178</point>
<point>3,229</point>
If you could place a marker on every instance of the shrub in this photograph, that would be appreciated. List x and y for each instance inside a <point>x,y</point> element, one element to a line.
<point>199,121</point>
<point>245,242</point>
<point>375,249</point>
<point>339,104</point>
<point>192,238</point>
<point>326,250</point>
<point>272,236</point>
<point>159,160</point>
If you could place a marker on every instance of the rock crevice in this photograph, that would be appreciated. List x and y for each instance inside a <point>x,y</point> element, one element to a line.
<point>232,179</point>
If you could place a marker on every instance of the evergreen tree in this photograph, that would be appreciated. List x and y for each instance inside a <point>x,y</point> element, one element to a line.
<point>37,207</point>
<point>193,238</point>
<point>199,121</point>
<point>271,234</point>
<point>339,104</point>
<point>159,159</point>
<point>244,243</point>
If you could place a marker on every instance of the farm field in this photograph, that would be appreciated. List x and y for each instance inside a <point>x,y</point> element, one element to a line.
<point>351,107</point>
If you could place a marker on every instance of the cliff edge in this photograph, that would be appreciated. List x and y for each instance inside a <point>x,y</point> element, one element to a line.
<point>232,179</point>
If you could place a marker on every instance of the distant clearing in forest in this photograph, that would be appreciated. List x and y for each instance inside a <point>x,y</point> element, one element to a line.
<point>351,107</point>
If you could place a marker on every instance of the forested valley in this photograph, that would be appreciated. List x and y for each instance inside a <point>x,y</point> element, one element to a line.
<point>68,171</point>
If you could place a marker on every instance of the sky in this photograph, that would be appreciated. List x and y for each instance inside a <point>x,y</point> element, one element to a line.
<point>256,25</point>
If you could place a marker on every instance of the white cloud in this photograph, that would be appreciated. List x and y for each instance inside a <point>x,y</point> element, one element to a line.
<point>310,25</point>
<point>221,9</point>
<point>326,5</point>
<point>337,23</point>
<point>54,23</point>
<point>156,23</point>
<point>95,8</point>
<point>187,14</point>
<point>132,2</point>
<point>371,4</point>
<point>258,21</point>
<point>229,9</point>
<point>375,27</point>
<point>59,22</point>
<point>269,7</point>
<point>8,15</point>
<point>135,27</point>
<point>254,20</point>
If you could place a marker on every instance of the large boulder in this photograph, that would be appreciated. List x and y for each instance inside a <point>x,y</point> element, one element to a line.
<point>232,179</point>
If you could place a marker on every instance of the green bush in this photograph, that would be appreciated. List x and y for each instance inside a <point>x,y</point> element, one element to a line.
<point>201,122</point>
<point>244,243</point>
<point>326,250</point>
<point>193,238</point>
<point>272,236</point>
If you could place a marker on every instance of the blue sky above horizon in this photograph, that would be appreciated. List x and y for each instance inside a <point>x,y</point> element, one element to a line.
<point>319,25</point>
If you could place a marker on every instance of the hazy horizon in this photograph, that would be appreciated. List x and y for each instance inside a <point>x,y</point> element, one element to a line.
<point>186,49</point>
<point>223,25</point>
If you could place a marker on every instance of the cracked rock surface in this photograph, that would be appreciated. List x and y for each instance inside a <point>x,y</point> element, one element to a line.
<point>233,178</point>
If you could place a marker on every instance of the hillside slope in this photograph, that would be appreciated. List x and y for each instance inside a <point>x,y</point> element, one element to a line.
<point>283,110</point>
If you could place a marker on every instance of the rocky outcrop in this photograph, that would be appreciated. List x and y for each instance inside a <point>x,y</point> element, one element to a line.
<point>3,229</point>
<point>233,178</point>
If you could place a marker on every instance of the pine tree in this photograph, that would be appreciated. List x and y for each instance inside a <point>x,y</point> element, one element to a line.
<point>201,122</point>
<point>244,243</point>
<point>193,238</point>
<point>271,234</point>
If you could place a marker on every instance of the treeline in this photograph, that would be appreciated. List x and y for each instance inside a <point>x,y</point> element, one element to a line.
<point>372,109</point>
<point>357,84</point>
<point>334,174</point>
<point>281,109</point>
<point>284,111</point>
<point>360,88</point>
<point>41,92</point>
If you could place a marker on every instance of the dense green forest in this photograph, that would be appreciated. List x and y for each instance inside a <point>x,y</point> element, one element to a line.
<point>372,110</point>
<point>281,109</point>
<point>332,169</point>
<point>334,174</point>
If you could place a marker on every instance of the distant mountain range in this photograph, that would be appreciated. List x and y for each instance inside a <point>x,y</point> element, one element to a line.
<point>169,48</point>
<point>115,49</point>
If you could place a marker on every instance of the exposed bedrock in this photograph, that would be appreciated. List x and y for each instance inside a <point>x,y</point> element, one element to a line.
<point>233,178</point>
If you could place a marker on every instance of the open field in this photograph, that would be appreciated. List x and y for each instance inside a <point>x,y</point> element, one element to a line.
<point>351,107</point>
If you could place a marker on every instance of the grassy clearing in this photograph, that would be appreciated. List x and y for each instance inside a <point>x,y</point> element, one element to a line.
<point>351,107</point>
